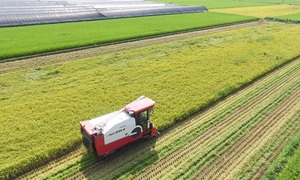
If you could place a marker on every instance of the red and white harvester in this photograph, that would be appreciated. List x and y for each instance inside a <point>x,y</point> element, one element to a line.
<point>114,130</point>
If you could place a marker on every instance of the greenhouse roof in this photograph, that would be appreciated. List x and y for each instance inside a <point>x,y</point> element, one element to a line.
<point>27,12</point>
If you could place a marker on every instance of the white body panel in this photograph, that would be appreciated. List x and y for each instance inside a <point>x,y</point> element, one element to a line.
<point>117,125</point>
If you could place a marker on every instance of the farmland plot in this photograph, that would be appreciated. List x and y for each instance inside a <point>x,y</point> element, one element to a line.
<point>62,95</point>
<point>233,139</point>
<point>262,11</point>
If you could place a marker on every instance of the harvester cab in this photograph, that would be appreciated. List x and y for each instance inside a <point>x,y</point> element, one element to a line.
<point>114,130</point>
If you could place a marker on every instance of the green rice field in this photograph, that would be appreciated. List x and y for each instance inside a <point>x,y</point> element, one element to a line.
<point>20,41</point>
<point>285,166</point>
<point>291,170</point>
<point>290,16</point>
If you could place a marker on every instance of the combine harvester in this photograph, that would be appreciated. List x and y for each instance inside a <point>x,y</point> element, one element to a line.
<point>114,130</point>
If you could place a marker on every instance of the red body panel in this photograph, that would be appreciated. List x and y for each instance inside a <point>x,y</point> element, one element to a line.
<point>154,132</point>
<point>139,106</point>
<point>88,127</point>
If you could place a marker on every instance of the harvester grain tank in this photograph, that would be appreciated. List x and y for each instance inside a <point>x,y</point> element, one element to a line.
<point>114,130</point>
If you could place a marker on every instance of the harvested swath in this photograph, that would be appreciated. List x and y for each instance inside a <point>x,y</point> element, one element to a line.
<point>229,162</point>
<point>270,151</point>
<point>279,162</point>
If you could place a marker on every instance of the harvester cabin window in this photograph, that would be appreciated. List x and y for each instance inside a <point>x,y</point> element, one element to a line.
<point>142,119</point>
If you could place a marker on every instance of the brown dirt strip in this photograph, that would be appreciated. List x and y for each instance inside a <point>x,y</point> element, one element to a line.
<point>211,136</point>
<point>226,164</point>
<point>40,61</point>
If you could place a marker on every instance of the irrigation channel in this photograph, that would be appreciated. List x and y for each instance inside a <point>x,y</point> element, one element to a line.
<point>235,138</point>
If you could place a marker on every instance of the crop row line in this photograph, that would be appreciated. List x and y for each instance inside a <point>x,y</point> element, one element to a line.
<point>281,119</point>
<point>258,163</point>
<point>246,145</point>
<point>54,165</point>
<point>227,142</point>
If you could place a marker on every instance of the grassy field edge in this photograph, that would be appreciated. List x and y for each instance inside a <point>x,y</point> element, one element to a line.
<point>283,158</point>
<point>283,20</point>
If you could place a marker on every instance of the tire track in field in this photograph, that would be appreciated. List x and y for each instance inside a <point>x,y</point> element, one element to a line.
<point>228,163</point>
<point>130,154</point>
<point>183,155</point>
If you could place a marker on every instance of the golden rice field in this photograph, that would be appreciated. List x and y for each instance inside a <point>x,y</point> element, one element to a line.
<point>261,11</point>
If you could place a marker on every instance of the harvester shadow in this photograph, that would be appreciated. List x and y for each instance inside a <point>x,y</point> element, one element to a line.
<point>129,159</point>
